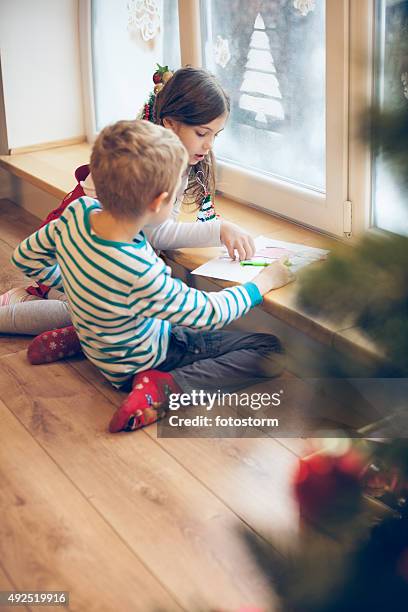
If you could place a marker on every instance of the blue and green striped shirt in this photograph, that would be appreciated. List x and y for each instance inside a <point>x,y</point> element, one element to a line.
<point>122,297</point>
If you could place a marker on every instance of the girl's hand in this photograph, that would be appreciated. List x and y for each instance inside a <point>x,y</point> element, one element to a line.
<point>235,239</point>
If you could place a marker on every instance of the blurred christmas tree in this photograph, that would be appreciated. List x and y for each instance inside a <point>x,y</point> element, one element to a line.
<point>372,577</point>
<point>355,569</point>
<point>368,284</point>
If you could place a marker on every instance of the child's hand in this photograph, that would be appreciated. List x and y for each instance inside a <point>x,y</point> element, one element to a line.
<point>235,239</point>
<point>274,276</point>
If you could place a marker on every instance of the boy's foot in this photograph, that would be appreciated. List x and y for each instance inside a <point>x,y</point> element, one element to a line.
<point>15,296</point>
<point>146,403</point>
<point>54,345</point>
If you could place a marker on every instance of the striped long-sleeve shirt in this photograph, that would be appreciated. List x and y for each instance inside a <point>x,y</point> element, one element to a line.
<point>171,234</point>
<point>122,297</point>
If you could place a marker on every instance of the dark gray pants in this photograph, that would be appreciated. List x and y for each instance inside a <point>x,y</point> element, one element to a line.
<point>225,360</point>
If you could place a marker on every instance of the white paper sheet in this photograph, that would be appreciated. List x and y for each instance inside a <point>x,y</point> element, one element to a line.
<point>267,250</point>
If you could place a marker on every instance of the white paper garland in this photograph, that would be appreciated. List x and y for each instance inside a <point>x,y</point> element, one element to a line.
<point>304,6</point>
<point>144,15</point>
<point>222,53</point>
<point>404,81</point>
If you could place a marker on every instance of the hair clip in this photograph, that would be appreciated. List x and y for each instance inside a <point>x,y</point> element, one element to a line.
<point>160,78</point>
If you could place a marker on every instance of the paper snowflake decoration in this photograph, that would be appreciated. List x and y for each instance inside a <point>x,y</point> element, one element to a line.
<point>304,6</point>
<point>144,15</point>
<point>222,53</point>
<point>404,81</point>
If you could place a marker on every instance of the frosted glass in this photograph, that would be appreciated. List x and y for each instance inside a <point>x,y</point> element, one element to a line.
<point>390,206</point>
<point>275,76</point>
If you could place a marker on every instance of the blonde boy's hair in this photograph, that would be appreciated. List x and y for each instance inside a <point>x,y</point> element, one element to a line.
<point>133,162</point>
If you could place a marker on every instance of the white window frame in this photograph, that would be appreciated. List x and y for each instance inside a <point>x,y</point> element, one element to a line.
<point>344,210</point>
<point>85,44</point>
<point>362,44</point>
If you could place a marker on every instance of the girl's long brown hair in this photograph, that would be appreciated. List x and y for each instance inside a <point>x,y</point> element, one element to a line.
<point>193,96</point>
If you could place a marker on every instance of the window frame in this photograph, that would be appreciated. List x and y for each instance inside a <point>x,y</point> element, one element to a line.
<point>85,46</point>
<point>375,52</point>
<point>362,45</point>
<point>345,209</point>
<point>322,211</point>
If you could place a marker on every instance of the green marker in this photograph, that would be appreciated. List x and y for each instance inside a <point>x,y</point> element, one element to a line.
<point>263,264</point>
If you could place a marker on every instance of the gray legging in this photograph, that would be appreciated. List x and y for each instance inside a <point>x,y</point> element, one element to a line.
<point>221,359</point>
<point>34,317</point>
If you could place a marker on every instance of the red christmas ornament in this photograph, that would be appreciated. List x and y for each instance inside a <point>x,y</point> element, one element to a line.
<point>327,487</point>
<point>157,77</point>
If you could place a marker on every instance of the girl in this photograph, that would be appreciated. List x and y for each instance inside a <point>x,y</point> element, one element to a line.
<point>193,104</point>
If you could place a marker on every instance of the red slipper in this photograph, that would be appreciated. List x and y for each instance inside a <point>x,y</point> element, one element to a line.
<point>53,346</point>
<point>146,403</point>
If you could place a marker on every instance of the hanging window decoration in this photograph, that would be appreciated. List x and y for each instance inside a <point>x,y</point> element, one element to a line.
<point>144,15</point>
<point>261,95</point>
<point>404,81</point>
<point>304,6</point>
<point>222,53</point>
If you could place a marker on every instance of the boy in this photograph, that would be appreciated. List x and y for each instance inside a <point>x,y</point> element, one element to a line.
<point>130,315</point>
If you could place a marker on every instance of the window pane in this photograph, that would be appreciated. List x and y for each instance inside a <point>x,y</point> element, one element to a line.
<point>123,62</point>
<point>391,70</point>
<point>270,57</point>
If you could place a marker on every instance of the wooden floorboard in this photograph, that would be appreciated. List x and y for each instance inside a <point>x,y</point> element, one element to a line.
<point>13,344</point>
<point>5,582</point>
<point>249,475</point>
<point>16,223</point>
<point>130,521</point>
<point>9,277</point>
<point>7,585</point>
<point>52,538</point>
<point>185,535</point>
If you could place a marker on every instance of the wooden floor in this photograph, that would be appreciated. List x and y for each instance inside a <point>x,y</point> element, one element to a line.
<point>125,522</point>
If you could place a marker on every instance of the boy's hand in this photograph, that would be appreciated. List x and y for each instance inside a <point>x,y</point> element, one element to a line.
<point>274,276</point>
<point>235,239</point>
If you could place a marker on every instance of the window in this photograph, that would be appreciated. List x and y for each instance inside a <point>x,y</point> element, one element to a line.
<point>292,120</point>
<point>299,74</point>
<point>121,62</point>
<point>391,94</point>
<point>271,58</point>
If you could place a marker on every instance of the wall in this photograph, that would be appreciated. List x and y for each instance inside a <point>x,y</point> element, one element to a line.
<point>39,47</point>
<point>123,62</point>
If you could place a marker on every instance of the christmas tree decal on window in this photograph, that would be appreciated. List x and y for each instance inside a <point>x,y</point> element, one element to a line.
<point>261,92</point>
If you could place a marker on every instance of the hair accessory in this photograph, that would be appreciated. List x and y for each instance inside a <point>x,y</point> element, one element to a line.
<point>207,210</point>
<point>160,78</point>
